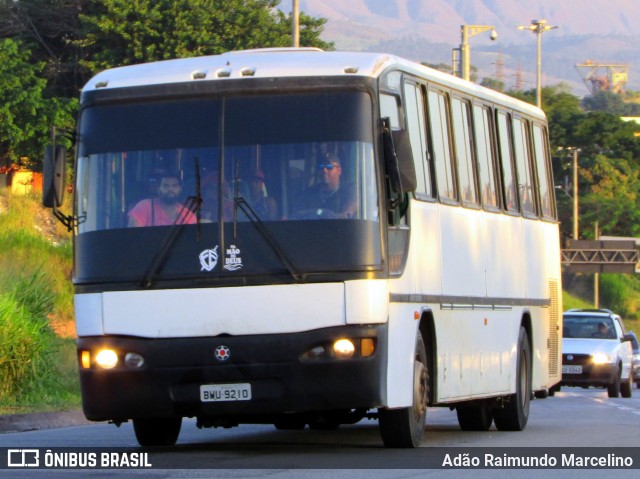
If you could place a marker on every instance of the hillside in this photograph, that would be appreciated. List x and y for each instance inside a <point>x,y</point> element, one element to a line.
<point>427,30</point>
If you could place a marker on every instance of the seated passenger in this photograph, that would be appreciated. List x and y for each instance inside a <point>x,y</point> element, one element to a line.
<point>328,198</point>
<point>260,202</point>
<point>165,209</point>
<point>210,210</point>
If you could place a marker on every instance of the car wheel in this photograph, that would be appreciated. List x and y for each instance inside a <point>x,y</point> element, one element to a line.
<point>626,388</point>
<point>614,388</point>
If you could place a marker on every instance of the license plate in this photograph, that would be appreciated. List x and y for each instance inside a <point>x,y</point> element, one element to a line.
<point>571,369</point>
<point>225,392</point>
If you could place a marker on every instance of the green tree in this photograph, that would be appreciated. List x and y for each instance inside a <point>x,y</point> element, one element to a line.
<point>612,197</point>
<point>611,103</point>
<point>492,83</point>
<point>138,31</point>
<point>25,112</point>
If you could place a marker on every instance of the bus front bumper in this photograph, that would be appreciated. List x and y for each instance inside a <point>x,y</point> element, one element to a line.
<point>248,378</point>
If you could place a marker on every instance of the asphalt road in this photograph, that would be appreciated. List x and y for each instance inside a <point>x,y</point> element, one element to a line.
<point>574,418</point>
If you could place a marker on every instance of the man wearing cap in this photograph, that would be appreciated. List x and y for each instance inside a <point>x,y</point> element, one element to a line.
<point>329,198</point>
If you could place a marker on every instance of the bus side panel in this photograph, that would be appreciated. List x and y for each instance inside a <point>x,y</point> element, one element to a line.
<point>463,261</point>
<point>504,256</point>
<point>425,246</point>
<point>478,360</point>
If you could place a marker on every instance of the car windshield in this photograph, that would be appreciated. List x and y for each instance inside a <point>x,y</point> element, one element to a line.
<point>588,327</point>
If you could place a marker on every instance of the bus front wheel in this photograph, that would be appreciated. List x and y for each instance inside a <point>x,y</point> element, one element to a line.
<point>157,431</point>
<point>515,413</point>
<point>404,427</point>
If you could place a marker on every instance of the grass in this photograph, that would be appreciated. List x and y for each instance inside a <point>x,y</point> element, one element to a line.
<point>38,368</point>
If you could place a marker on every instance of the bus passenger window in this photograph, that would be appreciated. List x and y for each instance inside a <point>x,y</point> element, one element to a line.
<point>541,159</point>
<point>484,153</point>
<point>441,145</point>
<point>508,172</point>
<point>523,165</point>
<point>462,136</point>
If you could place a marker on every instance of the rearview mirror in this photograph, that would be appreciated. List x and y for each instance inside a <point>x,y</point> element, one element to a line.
<point>53,176</point>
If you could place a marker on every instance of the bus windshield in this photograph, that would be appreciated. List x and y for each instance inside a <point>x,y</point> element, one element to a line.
<point>303,164</point>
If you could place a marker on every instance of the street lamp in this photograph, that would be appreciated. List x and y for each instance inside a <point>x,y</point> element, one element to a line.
<point>466,32</point>
<point>538,27</point>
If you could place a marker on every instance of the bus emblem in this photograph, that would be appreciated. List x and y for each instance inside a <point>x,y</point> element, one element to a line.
<point>209,259</point>
<point>223,353</point>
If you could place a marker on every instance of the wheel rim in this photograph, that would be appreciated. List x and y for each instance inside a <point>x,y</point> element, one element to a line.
<point>419,390</point>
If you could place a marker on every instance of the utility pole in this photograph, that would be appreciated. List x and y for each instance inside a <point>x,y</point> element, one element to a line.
<point>295,24</point>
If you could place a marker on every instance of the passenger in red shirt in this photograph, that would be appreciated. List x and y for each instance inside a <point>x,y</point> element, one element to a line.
<point>163,210</point>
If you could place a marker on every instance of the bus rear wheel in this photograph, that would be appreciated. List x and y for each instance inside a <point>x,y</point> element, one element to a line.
<point>515,413</point>
<point>404,427</point>
<point>157,431</point>
<point>474,418</point>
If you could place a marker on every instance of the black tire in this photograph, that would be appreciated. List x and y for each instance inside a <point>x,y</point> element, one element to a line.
<point>321,423</point>
<point>515,413</point>
<point>157,431</point>
<point>290,424</point>
<point>474,418</point>
<point>405,427</point>
<point>613,389</point>
<point>554,390</point>
<point>626,388</point>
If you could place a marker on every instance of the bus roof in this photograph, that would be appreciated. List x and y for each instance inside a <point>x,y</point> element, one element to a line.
<point>285,62</point>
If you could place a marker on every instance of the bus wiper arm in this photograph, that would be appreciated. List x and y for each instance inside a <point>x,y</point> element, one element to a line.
<point>271,241</point>
<point>168,241</point>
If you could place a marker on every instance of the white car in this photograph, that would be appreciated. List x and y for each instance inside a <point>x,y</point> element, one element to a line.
<point>596,351</point>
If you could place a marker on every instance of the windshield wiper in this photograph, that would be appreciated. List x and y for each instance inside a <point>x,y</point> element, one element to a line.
<point>169,240</point>
<point>240,201</point>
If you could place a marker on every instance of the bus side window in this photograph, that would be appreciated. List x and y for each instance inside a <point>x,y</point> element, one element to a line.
<point>541,158</point>
<point>485,157</point>
<point>414,106</point>
<point>464,153</point>
<point>523,165</point>
<point>389,109</point>
<point>509,186</point>
<point>441,145</point>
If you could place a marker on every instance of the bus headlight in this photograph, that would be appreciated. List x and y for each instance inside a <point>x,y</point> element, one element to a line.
<point>107,359</point>
<point>344,349</point>
<point>601,358</point>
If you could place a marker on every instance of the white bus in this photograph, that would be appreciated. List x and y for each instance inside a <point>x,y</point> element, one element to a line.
<point>361,236</point>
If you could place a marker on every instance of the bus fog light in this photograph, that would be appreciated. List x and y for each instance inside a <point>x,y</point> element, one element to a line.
<point>344,349</point>
<point>367,347</point>
<point>133,360</point>
<point>317,352</point>
<point>107,359</point>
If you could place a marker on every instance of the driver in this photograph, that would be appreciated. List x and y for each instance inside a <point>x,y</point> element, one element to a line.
<point>329,197</point>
